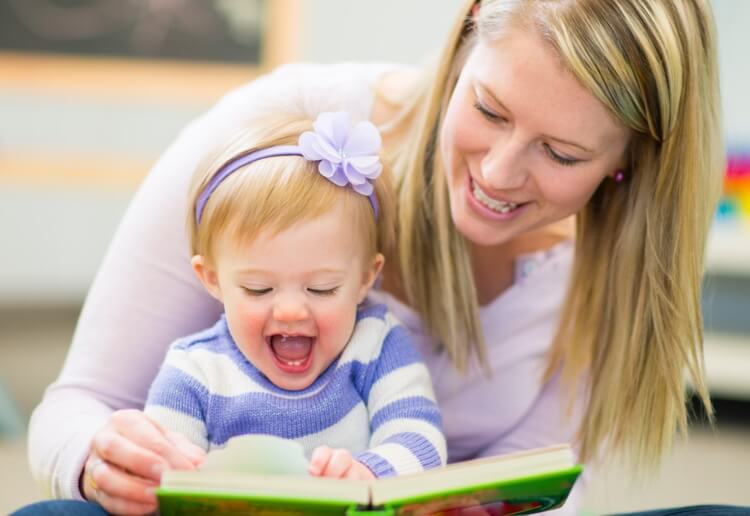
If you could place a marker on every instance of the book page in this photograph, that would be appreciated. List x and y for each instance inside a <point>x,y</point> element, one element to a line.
<point>262,454</point>
<point>264,467</point>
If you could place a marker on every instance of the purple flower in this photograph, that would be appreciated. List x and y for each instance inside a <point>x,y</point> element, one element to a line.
<point>347,155</point>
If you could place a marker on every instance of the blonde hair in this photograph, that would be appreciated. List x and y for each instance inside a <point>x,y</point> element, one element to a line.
<point>631,322</point>
<point>272,194</point>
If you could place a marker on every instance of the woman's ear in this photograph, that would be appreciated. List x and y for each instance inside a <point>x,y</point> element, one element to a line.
<point>206,275</point>
<point>370,274</point>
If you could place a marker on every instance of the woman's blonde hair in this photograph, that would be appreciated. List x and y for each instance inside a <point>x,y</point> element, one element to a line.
<point>631,323</point>
<point>272,194</point>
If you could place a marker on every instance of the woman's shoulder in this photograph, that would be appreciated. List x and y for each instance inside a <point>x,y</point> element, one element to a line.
<point>303,89</point>
<point>394,86</point>
<point>310,88</point>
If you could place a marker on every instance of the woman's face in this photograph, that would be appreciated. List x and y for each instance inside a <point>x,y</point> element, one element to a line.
<point>523,143</point>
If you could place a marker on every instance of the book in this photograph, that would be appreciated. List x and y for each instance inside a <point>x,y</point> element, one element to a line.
<point>264,475</point>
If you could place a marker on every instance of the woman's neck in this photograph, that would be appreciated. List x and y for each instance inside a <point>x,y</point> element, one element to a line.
<point>494,266</point>
<point>494,270</point>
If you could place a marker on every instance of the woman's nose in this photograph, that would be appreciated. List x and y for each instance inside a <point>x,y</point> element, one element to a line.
<point>503,166</point>
<point>290,308</point>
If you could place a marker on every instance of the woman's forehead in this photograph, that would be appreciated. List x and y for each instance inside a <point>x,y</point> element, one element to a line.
<point>523,72</point>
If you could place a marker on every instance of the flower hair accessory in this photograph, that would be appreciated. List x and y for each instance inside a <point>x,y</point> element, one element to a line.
<point>346,156</point>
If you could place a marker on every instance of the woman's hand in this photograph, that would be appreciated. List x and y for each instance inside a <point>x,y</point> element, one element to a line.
<point>338,463</point>
<point>127,458</point>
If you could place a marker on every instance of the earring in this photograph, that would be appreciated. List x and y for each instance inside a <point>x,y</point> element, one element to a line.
<point>475,10</point>
<point>619,176</point>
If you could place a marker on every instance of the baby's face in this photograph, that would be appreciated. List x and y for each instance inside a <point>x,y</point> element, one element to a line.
<point>291,298</point>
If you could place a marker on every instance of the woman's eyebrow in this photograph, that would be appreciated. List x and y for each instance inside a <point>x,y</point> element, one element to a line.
<point>488,92</point>
<point>573,144</point>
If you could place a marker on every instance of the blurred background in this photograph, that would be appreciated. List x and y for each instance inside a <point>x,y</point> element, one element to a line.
<point>91,91</point>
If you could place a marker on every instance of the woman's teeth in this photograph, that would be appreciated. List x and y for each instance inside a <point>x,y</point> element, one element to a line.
<point>493,204</point>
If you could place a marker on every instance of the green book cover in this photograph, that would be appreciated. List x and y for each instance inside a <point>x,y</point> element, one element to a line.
<point>259,475</point>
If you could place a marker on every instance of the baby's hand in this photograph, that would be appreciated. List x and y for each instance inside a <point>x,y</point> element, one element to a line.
<point>339,463</point>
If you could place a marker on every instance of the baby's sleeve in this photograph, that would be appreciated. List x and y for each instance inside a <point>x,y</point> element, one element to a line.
<point>405,423</point>
<point>178,396</point>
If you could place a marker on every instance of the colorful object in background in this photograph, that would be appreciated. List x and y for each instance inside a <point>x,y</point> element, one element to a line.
<point>734,205</point>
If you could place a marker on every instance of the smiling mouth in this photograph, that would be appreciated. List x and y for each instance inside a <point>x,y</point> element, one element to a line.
<point>493,204</point>
<point>291,353</point>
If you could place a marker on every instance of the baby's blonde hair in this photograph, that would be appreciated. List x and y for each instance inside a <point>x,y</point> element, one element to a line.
<point>273,194</point>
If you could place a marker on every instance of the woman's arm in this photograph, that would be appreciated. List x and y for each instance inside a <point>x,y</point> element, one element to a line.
<point>144,296</point>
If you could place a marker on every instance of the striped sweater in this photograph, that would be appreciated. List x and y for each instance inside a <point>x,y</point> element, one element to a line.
<point>376,400</point>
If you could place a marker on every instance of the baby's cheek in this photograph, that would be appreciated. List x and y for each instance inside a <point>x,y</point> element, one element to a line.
<point>248,332</point>
<point>252,324</point>
<point>335,328</point>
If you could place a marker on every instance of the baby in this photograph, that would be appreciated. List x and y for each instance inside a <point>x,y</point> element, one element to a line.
<point>287,229</point>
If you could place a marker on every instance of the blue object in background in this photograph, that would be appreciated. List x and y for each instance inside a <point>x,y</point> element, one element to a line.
<point>11,424</point>
<point>728,208</point>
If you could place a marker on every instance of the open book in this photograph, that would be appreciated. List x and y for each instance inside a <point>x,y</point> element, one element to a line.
<point>268,476</point>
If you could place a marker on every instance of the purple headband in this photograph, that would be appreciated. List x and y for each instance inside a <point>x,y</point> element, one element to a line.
<point>346,155</point>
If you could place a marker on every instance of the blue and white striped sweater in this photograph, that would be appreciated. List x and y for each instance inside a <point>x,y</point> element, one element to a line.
<point>376,400</point>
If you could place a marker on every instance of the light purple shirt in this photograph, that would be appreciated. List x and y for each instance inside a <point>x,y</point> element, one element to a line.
<point>145,296</point>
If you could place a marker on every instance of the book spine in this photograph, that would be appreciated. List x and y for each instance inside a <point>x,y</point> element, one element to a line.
<point>370,511</point>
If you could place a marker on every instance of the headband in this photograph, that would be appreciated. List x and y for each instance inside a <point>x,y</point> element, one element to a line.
<point>347,156</point>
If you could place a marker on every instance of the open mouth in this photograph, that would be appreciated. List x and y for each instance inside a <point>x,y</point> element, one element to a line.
<point>493,204</point>
<point>291,353</point>
<point>491,207</point>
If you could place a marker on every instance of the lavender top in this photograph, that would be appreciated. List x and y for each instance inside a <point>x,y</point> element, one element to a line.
<point>375,399</point>
<point>145,296</point>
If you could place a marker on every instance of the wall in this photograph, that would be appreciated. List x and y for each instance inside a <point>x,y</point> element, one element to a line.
<point>57,215</point>
<point>732,18</point>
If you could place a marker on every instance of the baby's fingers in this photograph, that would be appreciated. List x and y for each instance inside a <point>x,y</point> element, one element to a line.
<point>359,471</point>
<point>319,460</point>
<point>339,464</point>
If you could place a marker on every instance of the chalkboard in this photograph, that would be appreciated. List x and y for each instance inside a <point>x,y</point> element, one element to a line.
<point>229,31</point>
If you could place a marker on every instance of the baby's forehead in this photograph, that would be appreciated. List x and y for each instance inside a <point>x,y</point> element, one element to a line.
<point>332,236</point>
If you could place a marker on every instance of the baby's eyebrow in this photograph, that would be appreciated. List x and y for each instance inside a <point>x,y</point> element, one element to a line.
<point>327,274</point>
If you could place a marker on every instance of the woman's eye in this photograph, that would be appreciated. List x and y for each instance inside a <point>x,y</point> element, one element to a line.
<point>323,291</point>
<point>562,160</point>
<point>486,113</point>
<point>256,291</point>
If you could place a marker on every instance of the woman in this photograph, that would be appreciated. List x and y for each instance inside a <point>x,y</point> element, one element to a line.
<point>537,113</point>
